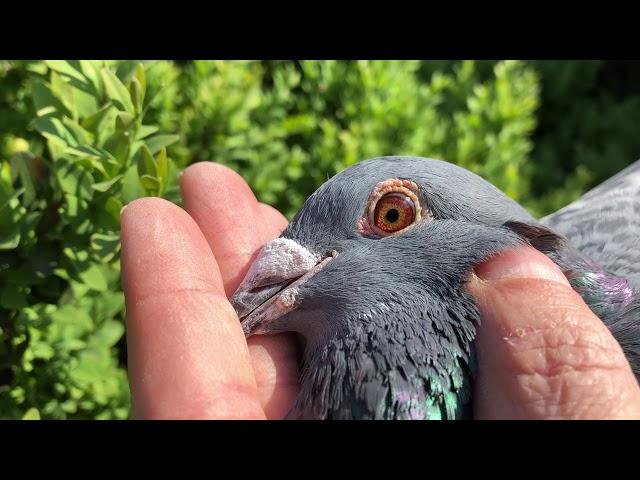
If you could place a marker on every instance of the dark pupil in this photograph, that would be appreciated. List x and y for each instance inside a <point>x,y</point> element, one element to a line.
<point>392,215</point>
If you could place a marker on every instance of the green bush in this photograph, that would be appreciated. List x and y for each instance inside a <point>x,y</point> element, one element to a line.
<point>78,140</point>
<point>588,128</point>
<point>61,199</point>
<point>285,124</point>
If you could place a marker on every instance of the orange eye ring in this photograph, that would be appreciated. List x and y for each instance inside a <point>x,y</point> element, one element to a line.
<point>392,208</point>
<point>394,212</point>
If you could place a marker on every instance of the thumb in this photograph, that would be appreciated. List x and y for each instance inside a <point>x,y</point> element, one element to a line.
<point>542,353</point>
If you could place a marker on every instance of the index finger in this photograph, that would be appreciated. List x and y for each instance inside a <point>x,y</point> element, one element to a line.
<point>236,227</point>
<point>228,213</point>
<point>187,354</point>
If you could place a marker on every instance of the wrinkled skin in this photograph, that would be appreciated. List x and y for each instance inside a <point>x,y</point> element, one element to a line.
<point>188,357</point>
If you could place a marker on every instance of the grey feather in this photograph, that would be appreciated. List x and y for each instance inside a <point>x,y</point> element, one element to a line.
<point>604,224</point>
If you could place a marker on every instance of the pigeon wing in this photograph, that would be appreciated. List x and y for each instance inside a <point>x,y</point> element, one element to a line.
<point>604,224</point>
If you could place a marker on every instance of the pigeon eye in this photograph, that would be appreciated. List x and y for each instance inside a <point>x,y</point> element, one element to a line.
<point>393,207</point>
<point>393,213</point>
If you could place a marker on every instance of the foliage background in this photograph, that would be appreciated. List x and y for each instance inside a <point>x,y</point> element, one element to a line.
<point>78,140</point>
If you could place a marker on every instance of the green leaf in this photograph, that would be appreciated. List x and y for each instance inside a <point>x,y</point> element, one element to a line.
<point>5,177</point>
<point>57,146</point>
<point>145,131</point>
<point>135,91</point>
<point>157,142</point>
<point>69,406</point>
<point>116,91</point>
<point>9,201</point>
<point>98,123</point>
<point>71,320</point>
<point>80,134</point>
<point>118,145</point>
<point>162,163</point>
<point>44,101</point>
<point>64,67</point>
<point>72,344</point>
<point>64,92</point>
<point>108,306</point>
<point>146,162</point>
<point>21,162</point>
<point>35,67</point>
<point>94,278</point>
<point>105,245</point>
<point>31,414</point>
<point>134,148</point>
<point>74,180</point>
<point>53,128</point>
<point>79,93</point>
<point>150,184</point>
<point>104,186</point>
<point>85,101</point>
<point>112,207</point>
<point>131,186</point>
<point>109,334</point>
<point>91,70</point>
<point>42,351</point>
<point>62,273</point>
<point>141,78</point>
<point>86,371</point>
<point>80,290</point>
<point>9,241</point>
<point>90,151</point>
<point>124,121</point>
<point>71,206</point>
<point>137,88</point>
<point>126,69</point>
<point>27,225</point>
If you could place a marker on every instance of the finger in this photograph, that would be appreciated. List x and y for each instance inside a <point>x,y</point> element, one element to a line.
<point>273,221</point>
<point>275,358</point>
<point>227,212</point>
<point>187,354</point>
<point>275,365</point>
<point>236,226</point>
<point>542,353</point>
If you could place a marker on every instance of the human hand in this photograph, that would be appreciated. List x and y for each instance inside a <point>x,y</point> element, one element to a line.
<point>188,357</point>
<point>542,353</point>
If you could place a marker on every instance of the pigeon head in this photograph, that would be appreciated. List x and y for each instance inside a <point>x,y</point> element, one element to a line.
<point>371,273</point>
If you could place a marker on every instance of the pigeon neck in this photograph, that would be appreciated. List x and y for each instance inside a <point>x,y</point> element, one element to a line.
<point>600,285</point>
<point>406,366</point>
<point>603,291</point>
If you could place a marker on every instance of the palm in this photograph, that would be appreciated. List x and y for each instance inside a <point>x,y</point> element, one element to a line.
<point>188,357</point>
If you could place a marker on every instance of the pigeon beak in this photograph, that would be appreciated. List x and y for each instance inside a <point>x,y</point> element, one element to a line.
<point>269,289</point>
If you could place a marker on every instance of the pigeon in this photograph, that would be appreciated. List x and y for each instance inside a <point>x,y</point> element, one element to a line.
<point>370,275</point>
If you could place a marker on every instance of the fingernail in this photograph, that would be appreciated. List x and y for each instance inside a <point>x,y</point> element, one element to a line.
<point>520,263</point>
<point>122,209</point>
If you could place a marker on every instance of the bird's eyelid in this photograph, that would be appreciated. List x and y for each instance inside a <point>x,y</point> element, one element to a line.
<point>393,185</point>
<point>366,225</point>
